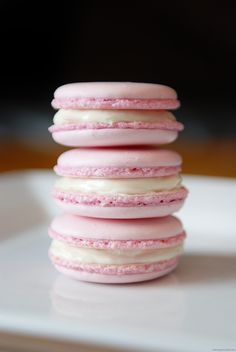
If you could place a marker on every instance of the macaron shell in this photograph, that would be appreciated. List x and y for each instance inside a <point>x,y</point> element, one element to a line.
<point>114,279</point>
<point>129,90</point>
<point>120,212</point>
<point>138,229</point>
<point>88,243</point>
<point>122,157</point>
<point>113,137</point>
<point>115,95</point>
<point>118,163</point>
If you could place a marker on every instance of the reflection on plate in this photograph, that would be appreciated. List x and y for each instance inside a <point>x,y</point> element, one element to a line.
<point>104,303</point>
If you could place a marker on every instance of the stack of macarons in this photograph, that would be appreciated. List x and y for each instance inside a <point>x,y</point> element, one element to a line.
<point>117,187</point>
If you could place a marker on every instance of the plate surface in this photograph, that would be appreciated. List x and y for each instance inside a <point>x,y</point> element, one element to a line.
<point>192,309</point>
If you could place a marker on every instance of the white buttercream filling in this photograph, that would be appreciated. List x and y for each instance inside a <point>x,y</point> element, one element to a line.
<point>112,256</point>
<point>63,116</point>
<point>121,186</point>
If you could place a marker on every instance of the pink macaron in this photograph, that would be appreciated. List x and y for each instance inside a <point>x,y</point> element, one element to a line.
<point>122,183</point>
<point>114,114</point>
<point>115,251</point>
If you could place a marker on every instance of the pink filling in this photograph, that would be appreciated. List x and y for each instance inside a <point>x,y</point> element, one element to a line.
<point>124,104</point>
<point>118,244</point>
<point>114,172</point>
<point>140,200</point>
<point>171,126</point>
<point>126,269</point>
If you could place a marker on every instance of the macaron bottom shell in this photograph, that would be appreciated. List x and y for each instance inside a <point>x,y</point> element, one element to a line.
<point>169,266</point>
<point>113,137</point>
<point>120,212</point>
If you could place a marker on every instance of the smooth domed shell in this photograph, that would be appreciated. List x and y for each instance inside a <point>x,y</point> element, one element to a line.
<point>132,229</point>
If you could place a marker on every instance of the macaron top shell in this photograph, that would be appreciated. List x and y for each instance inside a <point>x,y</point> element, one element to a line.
<point>135,229</point>
<point>118,163</point>
<point>115,95</point>
<point>115,90</point>
<point>122,157</point>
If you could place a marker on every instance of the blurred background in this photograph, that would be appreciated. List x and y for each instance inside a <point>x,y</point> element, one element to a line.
<point>189,45</point>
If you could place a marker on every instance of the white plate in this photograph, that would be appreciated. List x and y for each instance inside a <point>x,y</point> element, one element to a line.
<point>193,309</point>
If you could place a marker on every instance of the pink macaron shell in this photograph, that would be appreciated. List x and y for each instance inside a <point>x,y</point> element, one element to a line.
<point>123,234</point>
<point>119,157</point>
<point>115,95</point>
<point>118,163</point>
<point>97,229</point>
<point>111,90</point>
<point>120,212</point>
<point>82,242</point>
<point>147,205</point>
<point>116,279</point>
<point>113,137</point>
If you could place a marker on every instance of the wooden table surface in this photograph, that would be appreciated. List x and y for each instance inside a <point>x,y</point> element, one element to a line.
<point>216,157</point>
